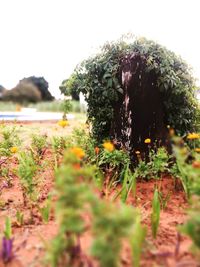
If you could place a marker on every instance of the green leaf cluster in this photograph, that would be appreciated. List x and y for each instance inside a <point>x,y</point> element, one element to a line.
<point>98,78</point>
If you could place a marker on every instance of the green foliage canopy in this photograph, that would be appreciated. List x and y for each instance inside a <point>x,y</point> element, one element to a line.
<point>98,78</point>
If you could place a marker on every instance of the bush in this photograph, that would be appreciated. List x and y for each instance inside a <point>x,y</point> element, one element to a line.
<point>41,84</point>
<point>22,93</point>
<point>99,79</point>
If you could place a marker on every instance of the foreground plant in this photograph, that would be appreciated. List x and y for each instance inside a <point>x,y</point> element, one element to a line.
<point>6,251</point>
<point>38,144</point>
<point>9,140</point>
<point>27,170</point>
<point>192,225</point>
<point>111,225</point>
<point>155,216</point>
<point>137,239</point>
<point>45,210</point>
<point>187,167</point>
<point>76,185</point>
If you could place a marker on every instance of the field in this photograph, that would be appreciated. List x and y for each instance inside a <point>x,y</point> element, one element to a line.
<point>33,209</point>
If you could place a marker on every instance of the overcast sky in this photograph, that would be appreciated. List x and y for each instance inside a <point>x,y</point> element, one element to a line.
<point>49,37</point>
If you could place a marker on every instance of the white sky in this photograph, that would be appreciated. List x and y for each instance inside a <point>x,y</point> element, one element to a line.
<point>49,37</point>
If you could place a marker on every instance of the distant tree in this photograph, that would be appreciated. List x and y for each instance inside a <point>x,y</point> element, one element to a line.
<point>23,93</point>
<point>42,86</point>
<point>70,86</point>
<point>2,90</point>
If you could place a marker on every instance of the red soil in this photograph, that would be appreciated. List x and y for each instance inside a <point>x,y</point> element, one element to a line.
<point>169,249</point>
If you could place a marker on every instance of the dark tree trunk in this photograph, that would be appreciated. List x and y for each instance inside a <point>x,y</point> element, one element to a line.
<point>138,114</point>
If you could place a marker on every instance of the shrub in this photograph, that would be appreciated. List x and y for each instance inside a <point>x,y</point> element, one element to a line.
<point>23,93</point>
<point>98,78</point>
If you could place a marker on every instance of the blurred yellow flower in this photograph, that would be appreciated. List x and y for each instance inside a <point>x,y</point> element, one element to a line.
<point>171,132</point>
<point>18,108</point>
<point>108,146</point>
<point>196,164</point>
<point>96,149</point>
<point>14,149</point>
<point>197,149</point>
<point>63,123</point>
<point>78,152</point>
<point>147,141</point>
<point>193,136</point>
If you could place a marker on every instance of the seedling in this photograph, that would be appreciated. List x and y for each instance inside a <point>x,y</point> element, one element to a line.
<point>155,216</point>
<point>137,240</point>
<point>27,171</point>
<point>45,210</point>
<point>39,144</point>
<point>6,252</point>
<point>164,199</point>
<point>9,141</point>
<point>20,218</point>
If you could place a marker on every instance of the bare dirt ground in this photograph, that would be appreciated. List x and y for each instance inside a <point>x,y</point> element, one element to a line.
<point>169,249</point>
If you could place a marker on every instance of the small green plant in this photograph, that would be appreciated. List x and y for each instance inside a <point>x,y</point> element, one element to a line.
<point>157,165</point>
<point>9,140</point>
<point>45,210</point>
<point>164,199</point>
<point>5,173</point>
<point>110,226</point>
<point>137,239</point>
<point>111,223</point>
<point>187,167</point>
<point>81,138</point>
<point>159,162</point>
<point>27,170</point>
<point>73,195</point>
<point>8,228</point>
<point>58,144</point>
<point>128,184</point>
<point>155,215</point>
<point>39,144</point>
<point>6,250</point>
<point>19,218</point>
<point>192,225</point>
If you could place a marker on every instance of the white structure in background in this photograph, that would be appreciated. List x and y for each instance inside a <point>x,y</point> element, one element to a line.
<point>83,103</point>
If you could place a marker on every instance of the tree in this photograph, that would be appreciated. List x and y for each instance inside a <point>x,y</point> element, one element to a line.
<point>69,87</point>
<point>42,86</point>
<point>22,93</point>
<point>128,80</point>
<point>2,90</point>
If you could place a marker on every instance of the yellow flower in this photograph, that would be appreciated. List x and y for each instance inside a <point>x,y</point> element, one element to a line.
<point>13,149</point>
<point>193,136</point>
<point>197,149</point>
<point>63,123</point>
<point>108,146</point>
<point>78,152</point>
<point>147,141</point>
<point>137,152</point>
